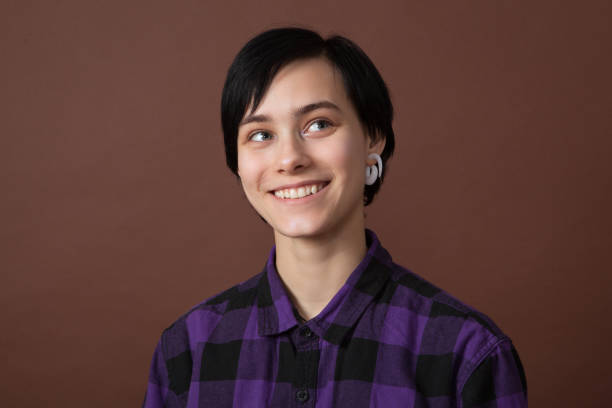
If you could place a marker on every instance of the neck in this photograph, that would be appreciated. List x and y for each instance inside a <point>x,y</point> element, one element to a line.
<point>314,269</point>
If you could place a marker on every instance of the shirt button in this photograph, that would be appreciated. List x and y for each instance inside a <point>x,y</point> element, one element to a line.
<point>306,332</point>
<point>301,395</point>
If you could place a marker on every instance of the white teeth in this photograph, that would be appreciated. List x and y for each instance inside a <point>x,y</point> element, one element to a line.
<point>299,192</point>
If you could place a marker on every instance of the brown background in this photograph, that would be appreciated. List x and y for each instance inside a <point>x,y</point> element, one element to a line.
<point>118,213</point>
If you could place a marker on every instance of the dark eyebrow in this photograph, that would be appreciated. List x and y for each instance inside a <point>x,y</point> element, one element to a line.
<point>314,106</point>
<point>299,112</point>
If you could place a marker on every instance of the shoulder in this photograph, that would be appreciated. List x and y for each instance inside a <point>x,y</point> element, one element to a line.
<point>199,321</point>
<point>412,289</point>
<point>455,340</point>
<point>177,349</point>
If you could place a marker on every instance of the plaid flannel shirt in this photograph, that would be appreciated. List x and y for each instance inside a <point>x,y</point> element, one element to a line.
<point>387,339</point>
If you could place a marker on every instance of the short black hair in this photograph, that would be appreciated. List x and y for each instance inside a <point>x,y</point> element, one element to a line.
<point>258,62</point>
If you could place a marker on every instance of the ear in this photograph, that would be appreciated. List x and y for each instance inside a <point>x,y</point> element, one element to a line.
<point>376,146</point>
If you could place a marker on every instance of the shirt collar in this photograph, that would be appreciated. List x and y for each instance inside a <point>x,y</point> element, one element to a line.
<point>276,313</point>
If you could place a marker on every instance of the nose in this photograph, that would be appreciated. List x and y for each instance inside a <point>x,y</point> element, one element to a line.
<point>293,156</point>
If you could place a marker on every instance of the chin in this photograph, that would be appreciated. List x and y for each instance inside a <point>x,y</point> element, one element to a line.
<point>298,228</point>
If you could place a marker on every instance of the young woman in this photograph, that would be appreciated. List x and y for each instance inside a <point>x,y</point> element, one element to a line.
<point>331,321</point>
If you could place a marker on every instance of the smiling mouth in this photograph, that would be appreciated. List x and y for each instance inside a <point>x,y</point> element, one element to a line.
<point>299,193</point>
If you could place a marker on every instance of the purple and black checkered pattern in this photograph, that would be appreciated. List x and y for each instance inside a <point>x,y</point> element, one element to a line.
<point>387,339</point>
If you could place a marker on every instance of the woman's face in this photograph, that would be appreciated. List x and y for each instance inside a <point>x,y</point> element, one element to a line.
<point>304,133</point>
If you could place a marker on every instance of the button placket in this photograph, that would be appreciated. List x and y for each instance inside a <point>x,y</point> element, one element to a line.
<point>307,363</point>
<point>306,332</point>
<point>301,395</point>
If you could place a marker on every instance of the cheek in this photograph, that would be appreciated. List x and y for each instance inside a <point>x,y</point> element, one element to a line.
<point>248,170</point>
<point>247,164</point>
<point>347,155</point>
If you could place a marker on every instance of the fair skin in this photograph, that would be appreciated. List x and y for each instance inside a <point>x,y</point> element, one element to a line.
<point>306,129</point>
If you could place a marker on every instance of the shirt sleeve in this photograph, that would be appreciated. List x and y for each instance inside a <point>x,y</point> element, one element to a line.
<point>499,379</point>
<point>158,385</point>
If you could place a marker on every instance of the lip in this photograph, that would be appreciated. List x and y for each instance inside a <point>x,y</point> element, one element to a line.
<point>303,200</point>
<point>296,185</point>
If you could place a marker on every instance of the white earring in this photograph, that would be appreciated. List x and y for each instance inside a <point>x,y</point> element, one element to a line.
<point>373,172</point>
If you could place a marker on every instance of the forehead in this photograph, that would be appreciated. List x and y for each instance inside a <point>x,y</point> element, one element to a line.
<point>303,82</point>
